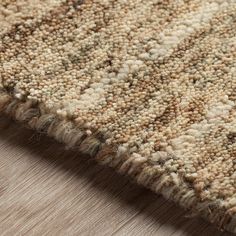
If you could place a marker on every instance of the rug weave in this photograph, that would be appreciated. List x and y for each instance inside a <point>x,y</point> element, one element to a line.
<point>147,87</point>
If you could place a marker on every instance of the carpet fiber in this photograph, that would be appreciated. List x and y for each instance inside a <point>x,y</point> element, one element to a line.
<point>147,87</point>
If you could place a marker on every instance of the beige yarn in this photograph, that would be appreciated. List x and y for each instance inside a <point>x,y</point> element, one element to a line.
<point>147,87</point>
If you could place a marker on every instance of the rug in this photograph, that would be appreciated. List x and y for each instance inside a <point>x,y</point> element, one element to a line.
<point>146,87</point>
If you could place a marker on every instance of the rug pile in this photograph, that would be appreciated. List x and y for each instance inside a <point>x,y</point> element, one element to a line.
<point>147,87</point>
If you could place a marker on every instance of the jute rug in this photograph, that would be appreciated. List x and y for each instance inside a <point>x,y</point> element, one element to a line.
<point>147,87</point>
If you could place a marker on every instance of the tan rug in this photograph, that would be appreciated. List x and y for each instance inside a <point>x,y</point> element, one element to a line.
<point>147,87</point>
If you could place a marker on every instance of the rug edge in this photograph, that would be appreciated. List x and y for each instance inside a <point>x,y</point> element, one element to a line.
<point>30,114</point>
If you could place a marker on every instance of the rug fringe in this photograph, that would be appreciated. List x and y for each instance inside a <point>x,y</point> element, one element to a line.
<point>93,144</point>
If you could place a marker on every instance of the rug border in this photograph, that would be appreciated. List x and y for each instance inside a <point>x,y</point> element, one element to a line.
<point>34,116</point>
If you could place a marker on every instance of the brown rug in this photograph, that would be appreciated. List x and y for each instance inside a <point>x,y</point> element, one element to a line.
<point>147,87</point>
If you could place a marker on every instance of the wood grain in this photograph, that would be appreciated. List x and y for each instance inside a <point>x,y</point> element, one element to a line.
<point>47,190</point>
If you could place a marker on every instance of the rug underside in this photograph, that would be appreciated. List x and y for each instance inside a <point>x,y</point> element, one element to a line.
<point>146,87</point>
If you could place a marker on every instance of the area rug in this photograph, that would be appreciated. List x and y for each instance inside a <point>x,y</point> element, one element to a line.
<point>147,87</point>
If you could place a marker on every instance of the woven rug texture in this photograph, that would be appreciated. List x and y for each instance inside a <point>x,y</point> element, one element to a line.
<point>147,87</point>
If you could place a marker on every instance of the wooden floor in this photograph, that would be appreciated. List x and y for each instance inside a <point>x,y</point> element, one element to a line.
<point>46,190</point>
